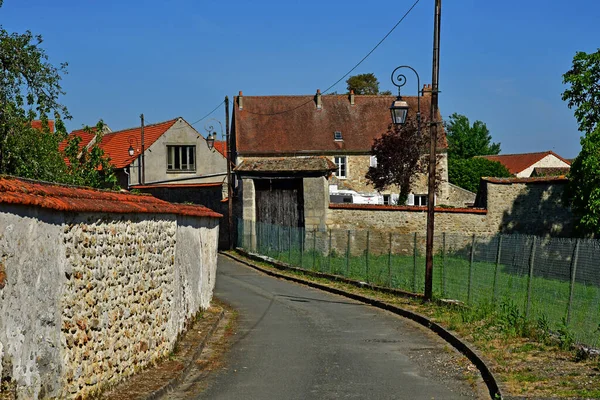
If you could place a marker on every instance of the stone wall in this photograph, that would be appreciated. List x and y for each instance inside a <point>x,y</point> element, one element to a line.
<point>505,205</point>
<point>90,296</point>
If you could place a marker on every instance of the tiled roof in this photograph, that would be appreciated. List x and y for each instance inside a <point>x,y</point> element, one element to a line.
<point>86,138</point>
<point>516,163</point>
<point>79,199</point>
<point>550,171</point>
<point>262,128</point>
<point>116,144</point>
<point>221,147</point>
<point>37,124</point>
<point>286,164</point>
<point>540,179</point>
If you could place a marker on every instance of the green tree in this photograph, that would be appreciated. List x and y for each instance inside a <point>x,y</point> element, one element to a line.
<point>583,189</point>
<point>467,173</point>
<point>584,90</point>
<point>466,140</point>
<point>30,90</point>
<point>400,157</point>
<point>365,84</point>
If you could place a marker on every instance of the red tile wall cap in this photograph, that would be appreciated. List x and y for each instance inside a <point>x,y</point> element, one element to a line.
<point>380,207</point>
<point>175,185</point>
<point>540,179</point>
<point>80,199</point>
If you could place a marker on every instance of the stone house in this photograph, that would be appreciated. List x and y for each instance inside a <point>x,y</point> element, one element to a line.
<point>175,164</point>
<point>331,135</point>
<point>523,165</point>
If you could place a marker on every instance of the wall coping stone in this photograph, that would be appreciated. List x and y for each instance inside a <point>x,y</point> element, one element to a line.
<point>380,207</point>
<point>540,179</point>
<point>82,199</point>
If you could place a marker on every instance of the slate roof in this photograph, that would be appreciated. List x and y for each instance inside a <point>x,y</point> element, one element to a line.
<point>79,199</point>
<point>262,129</point>
<point>286,164</point>
<point>516,163</point>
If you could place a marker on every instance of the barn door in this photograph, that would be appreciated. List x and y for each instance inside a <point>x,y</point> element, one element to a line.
<point>280,202</point>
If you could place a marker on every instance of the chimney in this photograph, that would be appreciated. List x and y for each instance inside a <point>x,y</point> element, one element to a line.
<point>351,97</point>
<point>318,99</point>
<point>241,101</point>
<point>426,90</point>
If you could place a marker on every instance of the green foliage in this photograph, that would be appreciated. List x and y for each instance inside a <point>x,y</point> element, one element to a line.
<point>365,84</point>
<point>467,173</point>
<point>584,91</point>
<point>583,189</point>
<point>399,154</point>
<point>466,140</point>
<point>30,90</point>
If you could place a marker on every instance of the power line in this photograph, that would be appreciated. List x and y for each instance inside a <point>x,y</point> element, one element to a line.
<point>207,115</point>
<point>352,69</point>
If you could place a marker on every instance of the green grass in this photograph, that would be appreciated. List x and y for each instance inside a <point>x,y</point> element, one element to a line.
<point>454,278</point>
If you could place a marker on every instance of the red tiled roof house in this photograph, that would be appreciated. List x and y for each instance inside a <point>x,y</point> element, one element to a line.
<point>327,137</point>
<point>523,165</point>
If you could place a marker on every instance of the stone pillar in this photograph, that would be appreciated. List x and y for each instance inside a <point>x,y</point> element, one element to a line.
<point>249,212</point>
<point>316,203</point>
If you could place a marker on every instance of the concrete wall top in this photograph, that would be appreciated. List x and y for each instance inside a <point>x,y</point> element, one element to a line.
<point>79,199</point>
<point>379,207</point>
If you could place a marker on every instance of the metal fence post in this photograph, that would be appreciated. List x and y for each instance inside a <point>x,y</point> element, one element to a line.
<point>314,248</point>
<point>530,278</point>
<point>415,263</point>
<point>471,270</point>
<point>301,239</point>
<point>572,287</point>
<point>348,255</point>
<point>497,269</point>
<point>443,283</point>
<point>329,254</point>
<point>390,263</point>
<point>367,257</point>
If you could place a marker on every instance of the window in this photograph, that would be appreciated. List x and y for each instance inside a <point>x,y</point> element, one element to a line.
<point>341,167</point>
<point>337,135</point>
<point>373,162</point>
<point>420,199</point>
<point>181,158</point>
<point>387,199</point>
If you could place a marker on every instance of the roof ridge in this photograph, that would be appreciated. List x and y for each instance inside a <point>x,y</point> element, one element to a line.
<point>518,154</point>
<point>145,126</point>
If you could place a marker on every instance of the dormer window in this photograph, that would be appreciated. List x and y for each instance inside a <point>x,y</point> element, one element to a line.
<point>337,135</point>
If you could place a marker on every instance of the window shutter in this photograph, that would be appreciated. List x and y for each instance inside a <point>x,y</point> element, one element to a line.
<point>410,200</point>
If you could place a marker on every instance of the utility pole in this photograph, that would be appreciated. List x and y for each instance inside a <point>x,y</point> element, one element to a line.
<point>142,163</point>
<point>229,181</point>
<point>433,126</point>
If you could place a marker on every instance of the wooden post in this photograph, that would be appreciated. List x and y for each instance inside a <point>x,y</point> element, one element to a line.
<point>471,270</point>
<point>530,278</point>
<point>301,238</point>
<point>573,273</point>
<point>415,263</point>
<point>497,270</point>
<point>290,245</point>
<point>329,254</point>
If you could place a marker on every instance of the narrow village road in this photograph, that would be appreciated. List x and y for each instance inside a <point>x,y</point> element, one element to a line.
<point>295,342</point>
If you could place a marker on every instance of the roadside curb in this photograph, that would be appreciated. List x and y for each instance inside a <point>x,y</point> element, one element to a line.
<point>453,340</point>
<point>188,362</point>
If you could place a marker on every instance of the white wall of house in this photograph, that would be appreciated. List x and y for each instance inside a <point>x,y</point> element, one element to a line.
<point>550,161</point>
<point>208,165</point>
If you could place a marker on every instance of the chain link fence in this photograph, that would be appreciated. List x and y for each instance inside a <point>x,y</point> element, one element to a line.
<point>553,280</point>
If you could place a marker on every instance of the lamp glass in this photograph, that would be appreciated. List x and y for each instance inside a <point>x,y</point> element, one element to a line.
<point>131,151</point>
<point>399,109</point>
<point>210,141</point>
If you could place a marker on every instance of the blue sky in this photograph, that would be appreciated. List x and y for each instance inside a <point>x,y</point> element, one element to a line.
<point>501,61</point>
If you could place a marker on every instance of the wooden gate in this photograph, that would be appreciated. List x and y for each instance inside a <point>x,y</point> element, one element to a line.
<point>280,202</point>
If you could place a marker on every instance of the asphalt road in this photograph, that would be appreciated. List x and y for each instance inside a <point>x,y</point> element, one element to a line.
<point>295,342</point>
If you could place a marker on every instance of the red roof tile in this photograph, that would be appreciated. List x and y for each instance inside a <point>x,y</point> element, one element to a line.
<point>516,163</point>
<point>37,124</point>
<point>221,147</point>
<point>80,199</point>
<point>262,128</point>
<point>116,144</point>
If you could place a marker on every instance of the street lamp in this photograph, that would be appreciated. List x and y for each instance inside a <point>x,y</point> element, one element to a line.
<point>131,150</point>
<point>210,138</point>
<point>399,107</point>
